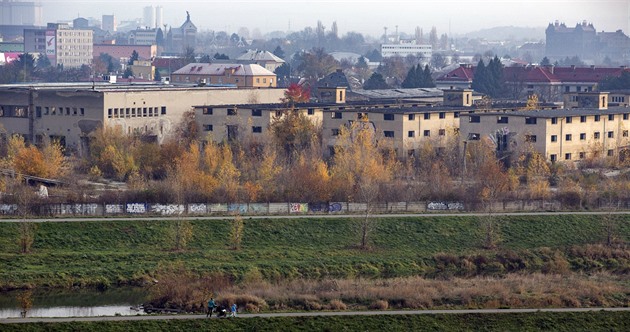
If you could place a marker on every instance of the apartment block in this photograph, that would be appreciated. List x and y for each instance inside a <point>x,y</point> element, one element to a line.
<point>559,135</point>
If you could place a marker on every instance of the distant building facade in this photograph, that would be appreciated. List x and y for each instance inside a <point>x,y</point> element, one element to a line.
<point>118,52</point>
<point>80,23</point>
<point>21,13</point>
<point>240,75</point>
<point>144,36</point>
<point>108,23</point>
<point>148,16</point>
<point>547,82</point>
<point>405,48</point>
<point>585,42</point>
<point>64,46</point>
<point>265,59</point>
<point>178,39</point>
<point>68,47</point>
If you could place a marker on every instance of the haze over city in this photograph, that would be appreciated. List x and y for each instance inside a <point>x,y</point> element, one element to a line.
<point>368,17</point>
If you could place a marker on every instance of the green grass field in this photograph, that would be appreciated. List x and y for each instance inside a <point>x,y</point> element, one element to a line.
<point>108,253</point>
<point>573,322</point>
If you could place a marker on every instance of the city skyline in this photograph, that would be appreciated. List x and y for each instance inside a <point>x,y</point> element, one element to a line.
<point>367,17</point>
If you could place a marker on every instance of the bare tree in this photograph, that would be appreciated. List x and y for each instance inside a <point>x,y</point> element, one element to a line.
<point>609,224</point>
<point>182,230</point>
<point>236,232</point>
<point>27,230</point>
<point>368,190</point>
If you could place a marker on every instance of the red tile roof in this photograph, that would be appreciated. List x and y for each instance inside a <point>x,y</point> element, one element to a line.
<point>537,74</point>
<point>460,74</point>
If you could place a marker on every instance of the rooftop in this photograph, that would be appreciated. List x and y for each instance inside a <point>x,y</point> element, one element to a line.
<point>539,74</point>
<point>560,112</point>
<point>107,87</point>
<point>219,69</point>
<point>256,55</point>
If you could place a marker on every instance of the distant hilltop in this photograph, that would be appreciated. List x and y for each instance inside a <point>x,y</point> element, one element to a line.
<point>509,32</point>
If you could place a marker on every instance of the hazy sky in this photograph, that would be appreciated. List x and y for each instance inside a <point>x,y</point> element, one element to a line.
<point>365,16</point>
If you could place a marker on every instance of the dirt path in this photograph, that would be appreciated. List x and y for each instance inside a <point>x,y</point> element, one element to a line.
<point>303,314</point>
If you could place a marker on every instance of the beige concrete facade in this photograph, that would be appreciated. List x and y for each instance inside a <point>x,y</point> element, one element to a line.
<point>74,47</point>
<point>406,129</point>
<point>407,125</point>
<point>224,123</point>
<point>559,135</point>
<point>143,69</point>
<point>240,75</point>
<point>71,113</point>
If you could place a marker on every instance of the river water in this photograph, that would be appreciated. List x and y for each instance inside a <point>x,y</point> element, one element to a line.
<point>75,303</point>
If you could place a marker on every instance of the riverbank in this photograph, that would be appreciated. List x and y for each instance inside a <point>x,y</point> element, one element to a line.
<point>103,253</point>
<point>537,321</point>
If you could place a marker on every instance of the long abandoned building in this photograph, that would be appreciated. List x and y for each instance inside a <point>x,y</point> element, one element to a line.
<point>71,112</point>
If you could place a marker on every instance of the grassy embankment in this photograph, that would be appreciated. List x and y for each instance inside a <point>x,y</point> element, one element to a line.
<point>109,253</point>
<point>591,321</point>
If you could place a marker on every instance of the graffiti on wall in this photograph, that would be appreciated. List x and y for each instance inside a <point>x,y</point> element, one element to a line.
<point>197,209</point>
<point>167,209</point>
<point>114,209</point>
<point>257,208</point>
<point>8,208</point>
<point>325,207</point>
<point>298,207</point>
<point>136,208</point>
<point>237,208</point>
<point>440,206</point>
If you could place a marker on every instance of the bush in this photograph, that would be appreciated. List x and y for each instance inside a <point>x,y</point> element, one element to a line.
<point>379,305</point>
<point>242,301</point>
<point>337,305</point>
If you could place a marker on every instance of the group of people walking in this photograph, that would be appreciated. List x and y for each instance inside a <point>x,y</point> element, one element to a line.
<point>212,307</point>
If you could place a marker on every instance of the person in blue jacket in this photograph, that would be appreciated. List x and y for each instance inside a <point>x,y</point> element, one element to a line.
<point>233,310</point>
<point>211,306</point>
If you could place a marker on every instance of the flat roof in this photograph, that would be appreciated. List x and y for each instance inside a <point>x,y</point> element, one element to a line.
<point>114,87</point>
<point>349,104</point>
<point>558,112</point>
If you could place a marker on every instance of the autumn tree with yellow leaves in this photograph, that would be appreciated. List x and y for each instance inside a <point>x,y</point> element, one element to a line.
<point>361,165</point>
<point>47,162</point>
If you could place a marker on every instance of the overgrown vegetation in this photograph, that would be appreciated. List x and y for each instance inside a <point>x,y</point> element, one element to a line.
<point>278,168</point>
